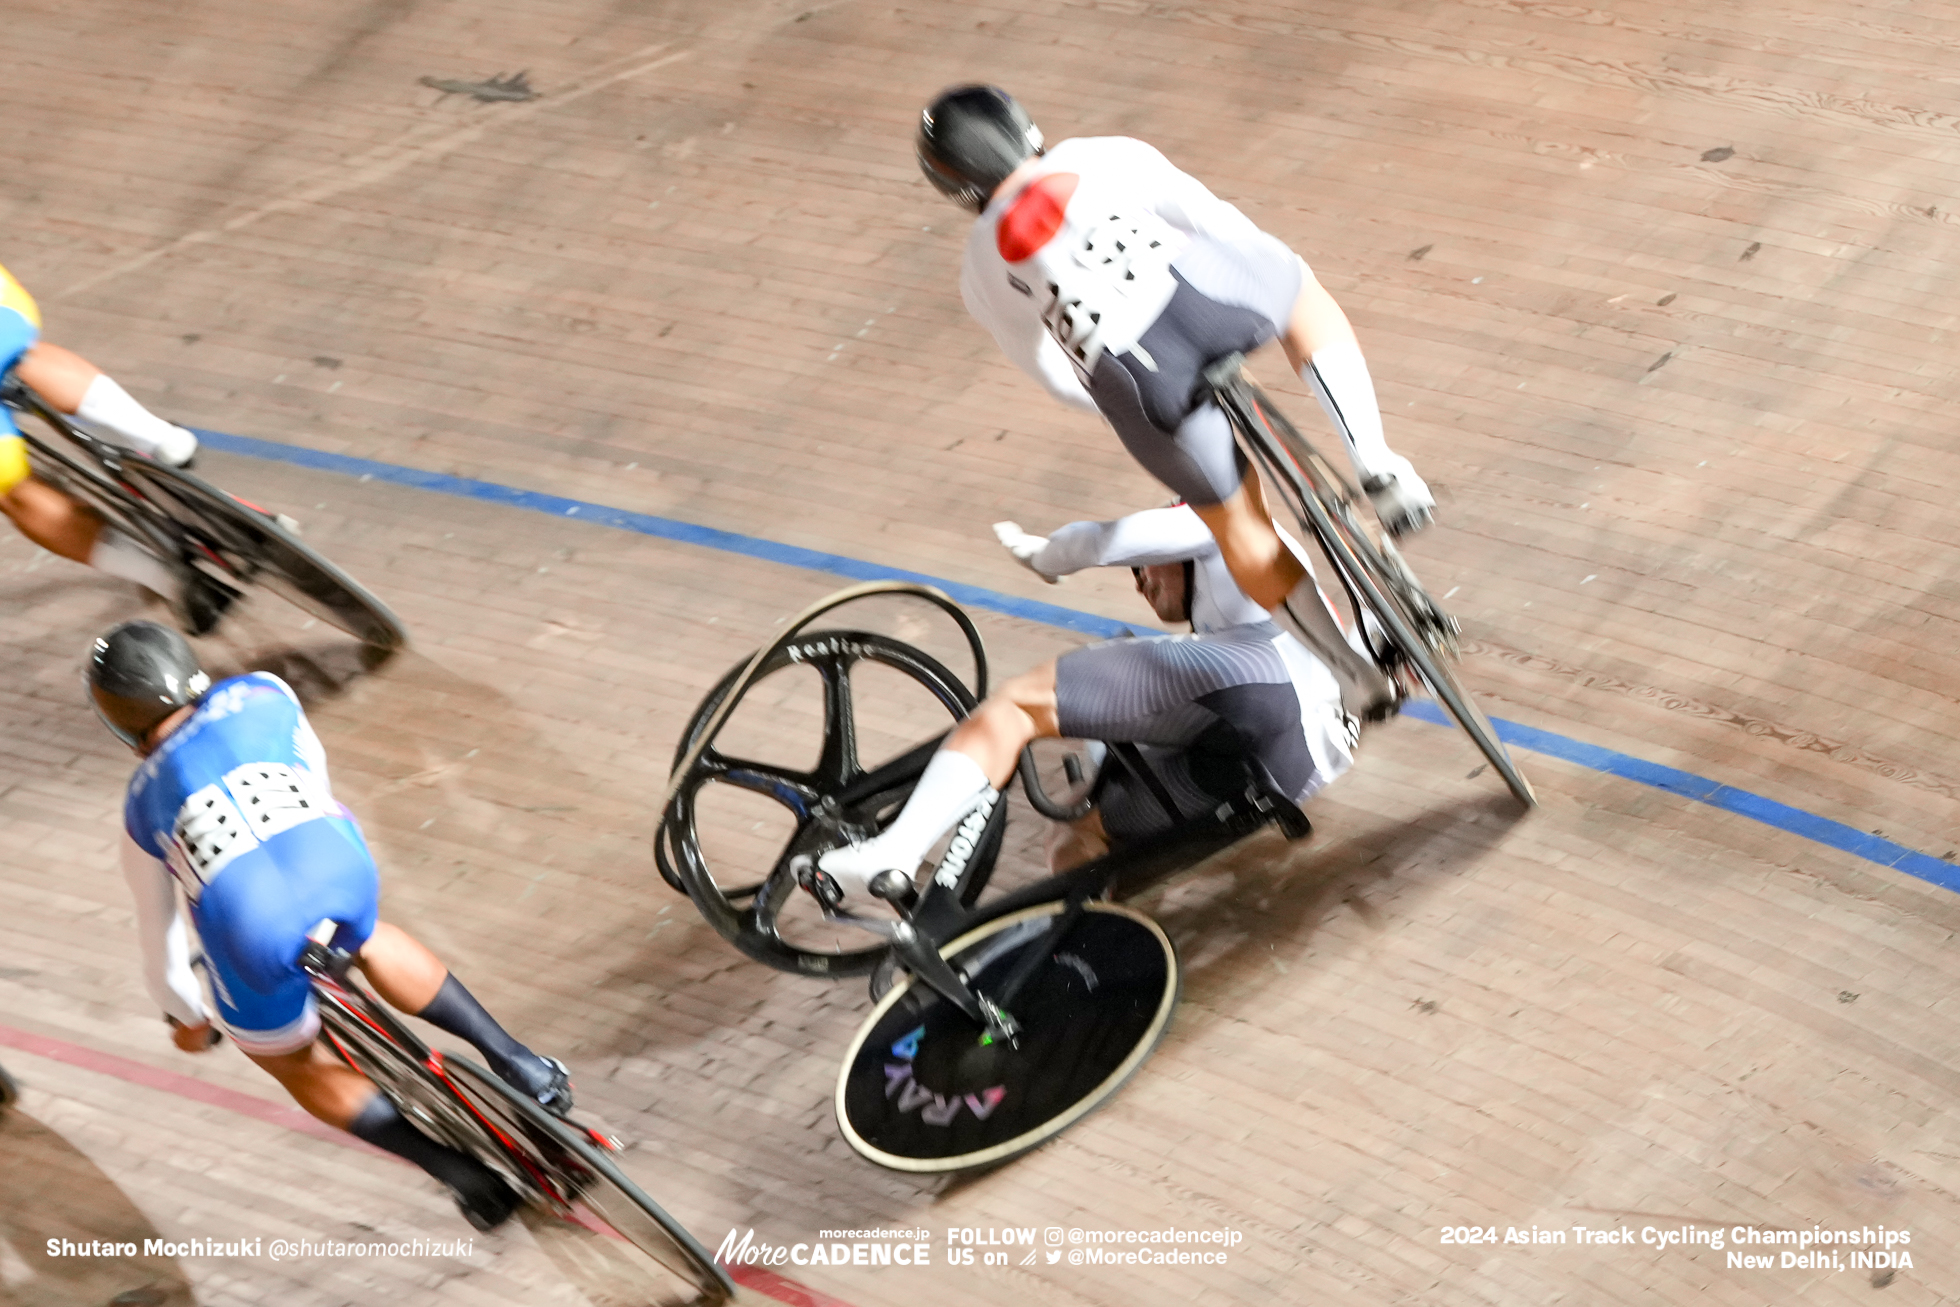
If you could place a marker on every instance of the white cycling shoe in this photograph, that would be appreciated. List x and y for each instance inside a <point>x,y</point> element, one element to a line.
<point>177,448</point>
<point>843,876</point>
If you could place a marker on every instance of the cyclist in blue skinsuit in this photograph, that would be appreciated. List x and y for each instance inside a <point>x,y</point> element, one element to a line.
<point>232,806</point>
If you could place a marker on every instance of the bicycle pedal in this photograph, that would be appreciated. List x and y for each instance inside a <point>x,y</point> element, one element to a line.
<point>594,1129</point>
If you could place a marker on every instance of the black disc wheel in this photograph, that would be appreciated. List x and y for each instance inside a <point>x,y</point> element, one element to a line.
<point>923,1089</point>
<point>9,1091</point>
<point>735,824</point>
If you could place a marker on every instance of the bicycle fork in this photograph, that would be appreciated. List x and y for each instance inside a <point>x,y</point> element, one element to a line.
<point>919,956</point>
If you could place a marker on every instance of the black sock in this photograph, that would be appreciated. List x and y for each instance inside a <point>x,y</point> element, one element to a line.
<point>380,1124</point>
<point>456,1010</point>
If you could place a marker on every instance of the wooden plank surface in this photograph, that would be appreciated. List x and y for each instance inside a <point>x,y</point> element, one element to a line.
<point>1657,296</point>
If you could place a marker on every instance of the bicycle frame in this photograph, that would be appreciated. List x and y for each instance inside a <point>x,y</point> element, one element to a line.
<point>941,915</point>
<point>99,478</point>
<point>1376,579</point>
<point>363,1031</point>
<point>561,1165</point>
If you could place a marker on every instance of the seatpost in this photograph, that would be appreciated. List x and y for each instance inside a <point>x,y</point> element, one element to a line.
<point>320,955</point>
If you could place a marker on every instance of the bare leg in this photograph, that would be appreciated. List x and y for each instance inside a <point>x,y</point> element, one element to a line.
<point>415,981</point>
<point>326,1087</point>
<point>77,387</point>
<point>1020,710</point>
<point>52,520</point>
<point>333,1092</point>
<point>401,970</point>
<point>1264,568</point>
<point>1276,580</point>
<point>60,376</point>
<point>976,761</point>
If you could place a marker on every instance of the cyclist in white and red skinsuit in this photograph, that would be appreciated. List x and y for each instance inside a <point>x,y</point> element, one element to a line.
<point>1115,280</point>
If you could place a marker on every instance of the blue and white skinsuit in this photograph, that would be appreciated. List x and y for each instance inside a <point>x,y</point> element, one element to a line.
<point>234,807</point>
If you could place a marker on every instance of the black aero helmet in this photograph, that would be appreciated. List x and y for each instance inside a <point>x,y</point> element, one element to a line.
<point>970,138</point>
<point>138,674</point>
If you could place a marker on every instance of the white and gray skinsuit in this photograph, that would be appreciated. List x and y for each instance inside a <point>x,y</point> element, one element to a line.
<point>1200,705</point>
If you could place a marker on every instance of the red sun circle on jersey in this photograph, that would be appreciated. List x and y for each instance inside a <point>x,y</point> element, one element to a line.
<point>1034,217</point>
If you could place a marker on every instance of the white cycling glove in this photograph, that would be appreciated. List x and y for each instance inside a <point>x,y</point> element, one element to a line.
<point>1401,500</point>
<point>1024,547</point>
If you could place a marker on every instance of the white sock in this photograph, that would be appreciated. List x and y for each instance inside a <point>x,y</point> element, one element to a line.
<point>118,555</point>
<point>1308,618</point>
<point>107,405</point>
<point>952,784</point>
<point>1339,378</point>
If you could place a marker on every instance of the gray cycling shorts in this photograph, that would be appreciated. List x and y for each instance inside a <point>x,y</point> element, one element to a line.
<point>1200,705</point>
<point>1231,297</point>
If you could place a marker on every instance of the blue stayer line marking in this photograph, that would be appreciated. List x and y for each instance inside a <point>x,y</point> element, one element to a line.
<point>1822,830</point>
<point>665,528</point>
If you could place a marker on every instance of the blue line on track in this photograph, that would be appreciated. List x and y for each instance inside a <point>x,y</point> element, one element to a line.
<point>666,528</point>
<point>1821,830</point>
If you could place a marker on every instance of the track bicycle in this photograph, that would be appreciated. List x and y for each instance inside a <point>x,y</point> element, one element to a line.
<point>1409,630</point>
<point>997,1025</point>
<point>563,1169</point>
<point>187,523</point>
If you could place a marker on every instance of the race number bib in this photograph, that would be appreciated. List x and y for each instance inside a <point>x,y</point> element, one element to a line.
<point>274,797</point>
<point>209,833</point>
<point>234,816</point>
<point>1110,286</point>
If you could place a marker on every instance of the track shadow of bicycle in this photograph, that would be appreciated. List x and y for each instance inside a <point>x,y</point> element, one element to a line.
<point>1231,915</point>
<point>71,1199</point>
<point>601,1266</point>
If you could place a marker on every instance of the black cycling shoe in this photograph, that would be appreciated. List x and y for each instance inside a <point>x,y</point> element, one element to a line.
<point>556,1096</point>
<point>545,1080</point>
<point>204,603</point>
<point>487,1203</point>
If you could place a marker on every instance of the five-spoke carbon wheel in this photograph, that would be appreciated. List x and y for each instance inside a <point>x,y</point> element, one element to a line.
<point>754,900</point>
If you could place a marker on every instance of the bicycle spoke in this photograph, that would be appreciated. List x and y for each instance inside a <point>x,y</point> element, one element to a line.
<point>839,760</point>
<point>792,789</point>
<point>773,895</point>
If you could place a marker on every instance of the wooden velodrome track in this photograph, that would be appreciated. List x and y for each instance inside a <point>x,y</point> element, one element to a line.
<point>1658,295</point>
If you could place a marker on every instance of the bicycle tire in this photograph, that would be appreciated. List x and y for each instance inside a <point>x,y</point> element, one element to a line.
<point>746,914</point>
<point>243,542</point>
<point>1387,589</point>
<point>1111,1024</point>
<point>597,1189</point>
<point>544,1157</point>
<point>182,519</point>
<point>9,1090</point>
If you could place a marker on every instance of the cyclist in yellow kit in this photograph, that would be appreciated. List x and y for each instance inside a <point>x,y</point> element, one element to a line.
<point>56,521</point>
